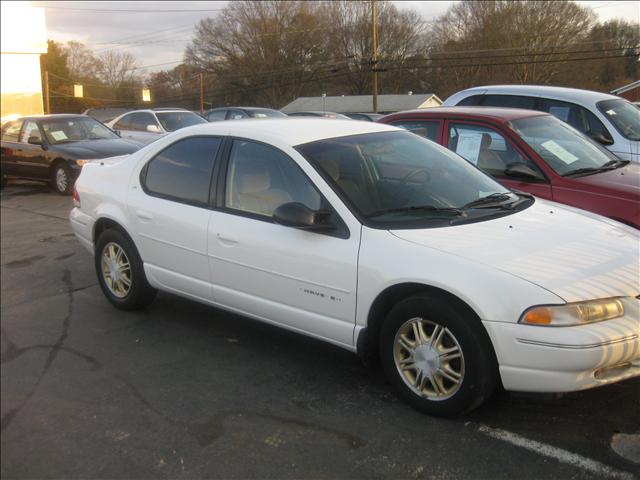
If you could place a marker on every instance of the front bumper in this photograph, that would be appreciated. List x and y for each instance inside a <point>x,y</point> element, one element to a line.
<point>565,359</point>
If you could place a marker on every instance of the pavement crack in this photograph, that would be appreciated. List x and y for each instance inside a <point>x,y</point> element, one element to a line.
<point>53,353</point>
<point>35,213</point>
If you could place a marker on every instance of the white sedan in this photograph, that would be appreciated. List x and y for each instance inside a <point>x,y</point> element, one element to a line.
<point>378,241</point>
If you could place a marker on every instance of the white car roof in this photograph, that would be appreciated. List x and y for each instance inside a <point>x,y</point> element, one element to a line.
<point>289,131</point>
<point>584,97</point>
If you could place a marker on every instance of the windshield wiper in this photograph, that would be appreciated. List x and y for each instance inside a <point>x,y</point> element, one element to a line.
<point>610,165</point>
<point>493,200</point>
<point>452,211</point>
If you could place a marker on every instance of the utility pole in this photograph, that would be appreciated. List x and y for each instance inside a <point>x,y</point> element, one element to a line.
<point>374,55</point>
<point>201,93</point>
<point>47,106</point>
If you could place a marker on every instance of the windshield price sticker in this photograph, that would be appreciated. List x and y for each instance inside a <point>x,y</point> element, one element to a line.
<point>58,135</point>
<point>559,152</point>
<point>469,146</point>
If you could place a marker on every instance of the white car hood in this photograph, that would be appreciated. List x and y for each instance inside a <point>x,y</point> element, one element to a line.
<point>578,256</point>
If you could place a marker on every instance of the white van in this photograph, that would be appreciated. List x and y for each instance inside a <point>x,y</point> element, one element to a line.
<point>612,121</point>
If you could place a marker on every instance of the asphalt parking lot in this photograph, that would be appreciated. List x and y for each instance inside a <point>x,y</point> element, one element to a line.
<point>183,390</point>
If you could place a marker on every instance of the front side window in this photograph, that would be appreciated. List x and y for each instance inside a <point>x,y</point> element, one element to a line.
<point>124,123</point>
<point>578,117</point>
<point>11,131</point>
<point>398,179</point>
<point>624,116</point>
<point>563,148</point>
<point>485,148</point>
<point>182,171</point>
<point>172,121</point>
<point>30,130</point>
<point>261,178</point>
<point>427,130</point>
<point>65,130</point>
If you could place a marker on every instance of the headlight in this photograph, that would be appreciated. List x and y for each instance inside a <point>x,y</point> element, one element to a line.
<point>82,162</point>
<point>574,313</point>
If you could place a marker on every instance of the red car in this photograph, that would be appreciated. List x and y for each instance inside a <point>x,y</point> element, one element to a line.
<point>536,153</point>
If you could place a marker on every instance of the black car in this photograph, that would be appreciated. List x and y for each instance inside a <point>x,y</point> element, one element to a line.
<point>53,148</point>
<point>238,113</point>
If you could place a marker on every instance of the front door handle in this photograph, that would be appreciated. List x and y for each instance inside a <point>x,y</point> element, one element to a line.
<point>142,215</point>
<point>226,240</point>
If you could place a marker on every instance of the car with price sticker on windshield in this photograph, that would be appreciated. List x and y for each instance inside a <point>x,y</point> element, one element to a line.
<point>377,241</point>
<point>534,152</point>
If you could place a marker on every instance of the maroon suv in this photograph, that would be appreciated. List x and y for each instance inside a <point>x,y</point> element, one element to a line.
<point>536,153</point>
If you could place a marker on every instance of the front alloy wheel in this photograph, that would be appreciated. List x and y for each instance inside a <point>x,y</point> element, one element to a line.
<point>429,359</point>
<point>437,355</point>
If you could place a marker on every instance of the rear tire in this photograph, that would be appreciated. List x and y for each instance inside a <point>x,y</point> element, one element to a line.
<point>438,358</point>
<point>61,180</point>
<point>120,271</point>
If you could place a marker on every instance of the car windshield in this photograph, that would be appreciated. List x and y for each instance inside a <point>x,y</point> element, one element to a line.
<point>624,116</point>
<point>65,130</point>
<point>172,121</point>
<point>267,113</point>
<point>398,179</point>
<point>561,146</point>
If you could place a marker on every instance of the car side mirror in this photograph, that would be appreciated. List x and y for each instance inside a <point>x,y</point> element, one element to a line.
<point>118,132</point>
<point>520,170</point>
<point>153,129</point>
<point>297,215</point>
<point>600,138</point>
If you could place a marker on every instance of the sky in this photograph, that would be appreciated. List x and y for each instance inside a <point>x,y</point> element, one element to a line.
<point>156,33</point>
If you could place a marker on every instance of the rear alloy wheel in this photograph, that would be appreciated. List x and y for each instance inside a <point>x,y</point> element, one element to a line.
<point>120,271</point>
<point>61,179</point>
<point>437,356</point>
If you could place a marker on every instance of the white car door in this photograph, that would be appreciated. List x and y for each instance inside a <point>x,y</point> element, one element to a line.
<point>304,280</point>
<point>169,205</point>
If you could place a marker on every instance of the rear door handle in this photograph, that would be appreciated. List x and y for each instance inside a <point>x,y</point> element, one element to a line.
<point>142,215</point>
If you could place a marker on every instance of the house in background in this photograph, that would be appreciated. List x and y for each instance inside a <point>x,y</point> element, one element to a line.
<point>363,103</point>
<point>630,91</point>
<point>24,38</point>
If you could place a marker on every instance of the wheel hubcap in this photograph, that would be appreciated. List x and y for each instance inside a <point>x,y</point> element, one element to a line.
<point>61,179</point>
<point>429,359</point>
<point>116,270</point>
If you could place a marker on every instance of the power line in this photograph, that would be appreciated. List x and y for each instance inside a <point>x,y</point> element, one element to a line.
<point>75,9</point>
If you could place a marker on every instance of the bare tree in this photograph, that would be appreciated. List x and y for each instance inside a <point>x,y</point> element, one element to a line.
<point>81,61</point>
<point>116,68</point>
<point>263,52</point>
<point>501,41</point>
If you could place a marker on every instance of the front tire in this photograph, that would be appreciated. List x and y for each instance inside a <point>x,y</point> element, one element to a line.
<point>120,271</point>
<point>438,357</point>
<point>61,179</point>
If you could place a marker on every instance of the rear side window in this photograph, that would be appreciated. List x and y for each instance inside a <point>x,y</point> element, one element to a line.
<point>471,101</point>
<point>11,131</point>
<point>216,115</point>
<point>141,120</point>
<point>428,130</point>
<point>236,115</point>
<point>182,172</point>
<point>30,130</point>
<point>509,101</point>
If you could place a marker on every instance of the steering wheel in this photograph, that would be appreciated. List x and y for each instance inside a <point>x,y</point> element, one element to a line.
<point>408,176</point>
